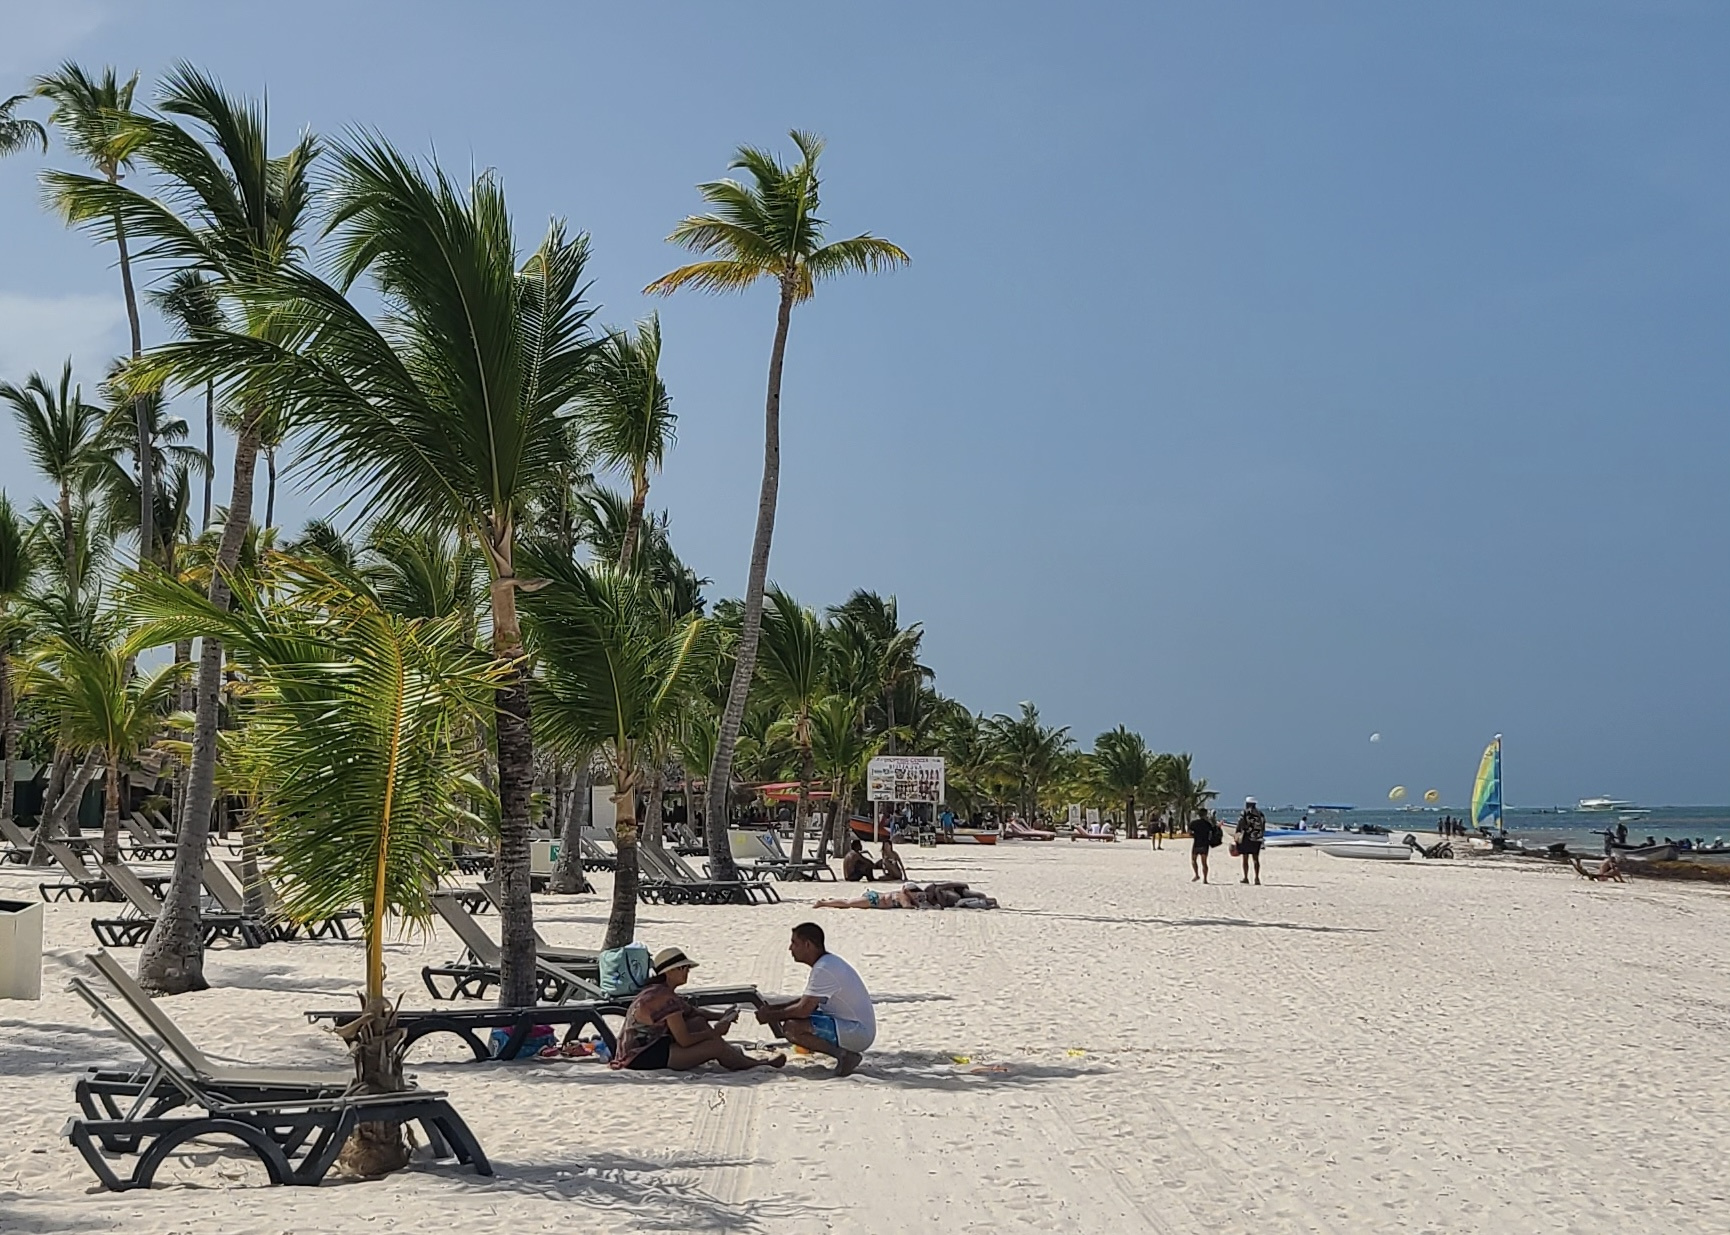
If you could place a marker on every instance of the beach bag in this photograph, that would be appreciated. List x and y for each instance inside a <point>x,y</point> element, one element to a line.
<point>624,970</point>
<point>540,1037</point>
<point>1216,837</point>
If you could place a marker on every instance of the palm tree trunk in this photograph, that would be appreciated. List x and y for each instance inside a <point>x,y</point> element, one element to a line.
<point>516,775</point>
<point>68,543</point>
<point>140,407</point>
<point>55,813</point>
<point>657,799</point>
<point>802,812</point>
<point>270,488</point>
<point>634,525</point>
<point>721,865</point>
<point>8,734</point>
<point>622,919</point>
<point>172,961</point>
<point>209,449</point>
<point>833,840</point>
<point>111,811</point>
<point>568,876</point>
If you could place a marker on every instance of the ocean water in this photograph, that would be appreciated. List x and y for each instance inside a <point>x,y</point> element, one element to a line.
<point>1539,825</point>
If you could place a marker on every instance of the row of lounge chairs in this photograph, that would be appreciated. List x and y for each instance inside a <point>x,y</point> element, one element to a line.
<point>293,1120</point>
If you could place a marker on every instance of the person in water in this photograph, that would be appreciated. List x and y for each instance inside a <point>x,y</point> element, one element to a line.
<point>663,1029</point>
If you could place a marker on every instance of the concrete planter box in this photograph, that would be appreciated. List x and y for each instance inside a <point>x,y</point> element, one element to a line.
<point>20,949</point>
<point>543,856</point>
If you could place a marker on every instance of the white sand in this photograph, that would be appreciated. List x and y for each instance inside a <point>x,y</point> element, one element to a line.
<point>1354,1046</point>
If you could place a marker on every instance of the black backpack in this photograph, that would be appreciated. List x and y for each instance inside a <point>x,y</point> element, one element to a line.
<point>1215,837</point>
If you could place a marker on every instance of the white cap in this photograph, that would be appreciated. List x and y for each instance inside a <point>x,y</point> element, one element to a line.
<point>1249,801</point>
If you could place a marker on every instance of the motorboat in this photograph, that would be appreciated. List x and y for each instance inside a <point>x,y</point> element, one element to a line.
<point>1604,804</point>
<point>1377,850</point>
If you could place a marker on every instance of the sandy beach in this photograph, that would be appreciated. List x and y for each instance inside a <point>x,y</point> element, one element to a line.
<point>1353,1046</point>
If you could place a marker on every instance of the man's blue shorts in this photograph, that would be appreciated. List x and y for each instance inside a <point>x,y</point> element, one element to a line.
<point>824,1027</point>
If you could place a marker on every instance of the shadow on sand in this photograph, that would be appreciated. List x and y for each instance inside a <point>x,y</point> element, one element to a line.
<point>1182,922</point>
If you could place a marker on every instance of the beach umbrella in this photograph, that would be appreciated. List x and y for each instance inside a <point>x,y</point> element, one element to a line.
<point>1396,793</point>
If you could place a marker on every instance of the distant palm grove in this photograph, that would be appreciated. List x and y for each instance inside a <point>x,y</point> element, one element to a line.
<point>499,619</point>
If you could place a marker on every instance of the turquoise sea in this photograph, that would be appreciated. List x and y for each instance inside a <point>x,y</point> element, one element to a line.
<point>1537,824</point>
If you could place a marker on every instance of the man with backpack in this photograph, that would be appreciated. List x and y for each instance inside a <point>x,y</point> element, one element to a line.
<point>1251,834</point>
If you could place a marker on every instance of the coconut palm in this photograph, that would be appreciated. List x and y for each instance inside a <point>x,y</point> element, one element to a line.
<point>17,573</point>
<point>793,665</point>
<point>616,676</point>
<point>627,417</point>
<point>1179,789</point>
<point>95,119</point>
<point>62,434</point>
<point>234,213</point>
<point>840,754</point>
<point>1124,769</point>
<point>189,299</point>
<point>1029,754</point>
<point>104,707</point>
<point>454,411</point>
<point>871,624</point>
<point>19,132</point>
<point>769,230</point>
<point>358,718</point>
<point>972,774</point>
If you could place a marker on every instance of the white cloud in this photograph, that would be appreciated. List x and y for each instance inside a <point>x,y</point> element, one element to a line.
<point>39,35</point>
<point>40,332</point>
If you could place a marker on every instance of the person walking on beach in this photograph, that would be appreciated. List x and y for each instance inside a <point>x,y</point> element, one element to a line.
<point>834,1016</point>
<point>1201,840</point>
<point>1251,833</point>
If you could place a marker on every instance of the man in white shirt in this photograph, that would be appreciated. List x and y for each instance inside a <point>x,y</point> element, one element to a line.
<point>834,1016</point>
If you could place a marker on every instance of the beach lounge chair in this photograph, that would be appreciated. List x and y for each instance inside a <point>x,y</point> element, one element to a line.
<point>146,844</point>
<point>594,857</point>
<point>1017,830</point>
<point>562,976</point>
<point>146,906</point>
<point>19,843</point>
<point>667,879</point>
<point>777,863</point>
<point>276,913</point>
<point>295,1121</point>
<point>1094,831</point>
<point>80,882</point>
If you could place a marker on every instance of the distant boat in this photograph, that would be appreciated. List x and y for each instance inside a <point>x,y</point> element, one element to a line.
<point>1604,804</point>
<point>1487,789</point>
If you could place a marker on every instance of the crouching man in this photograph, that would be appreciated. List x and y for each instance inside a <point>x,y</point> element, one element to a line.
<point>834,1016</point>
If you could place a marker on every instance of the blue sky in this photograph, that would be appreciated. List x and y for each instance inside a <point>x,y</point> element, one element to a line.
<point>1267,375</point>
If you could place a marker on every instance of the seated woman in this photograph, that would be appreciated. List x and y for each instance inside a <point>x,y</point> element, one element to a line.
<point>891,863</point>
<point>665,1030</point>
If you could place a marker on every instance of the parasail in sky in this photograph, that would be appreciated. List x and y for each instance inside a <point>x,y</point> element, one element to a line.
<point>1396,793</point>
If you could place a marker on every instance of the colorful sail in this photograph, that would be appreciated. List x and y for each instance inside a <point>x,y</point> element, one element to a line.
<point>1487,790</point>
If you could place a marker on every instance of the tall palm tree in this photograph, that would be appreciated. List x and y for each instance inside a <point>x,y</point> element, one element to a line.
<point>872,624</point>
<point>1185,794</point>
<point>234,213</point>
<point>189,299</point>
<point>358,730</point>
<point>794,666</point>
<point>841,754</point>
<point>1030,754</point>
<point>770,230</point>
<point>63,437</point>
<point>19,132</point>
<point>1124,768</point>
<point>454,411</point>
<point>616,676</point>
<point>17,573</point>
<point>95,119</point>
<point>627,417</point>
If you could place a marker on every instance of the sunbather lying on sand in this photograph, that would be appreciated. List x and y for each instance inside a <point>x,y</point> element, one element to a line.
<point>913,896</point>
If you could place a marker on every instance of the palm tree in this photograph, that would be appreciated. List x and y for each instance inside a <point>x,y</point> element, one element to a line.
<point>189,299</point>
<point>871,624</point>
<point>454,412</point>
<point>971,770</point>
<point>235,216</point>
<point>19,132</point>
<point>62,435</point>
<point>1029,753</point>
<point>106,708</point>
<point>627,417</point>
<point>766,230</point>
<point>1183,793</point>
<point>357,727</point>
<point>17,572</point>
<point>95,119</point>
<point>841,754</point>
<point>1124,768</point>
<point>616,676</point>
<point>794,667</point>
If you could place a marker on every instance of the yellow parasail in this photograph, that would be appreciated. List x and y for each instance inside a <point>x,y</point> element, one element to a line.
<point>1432,795</point>
<point>1396,793</point>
